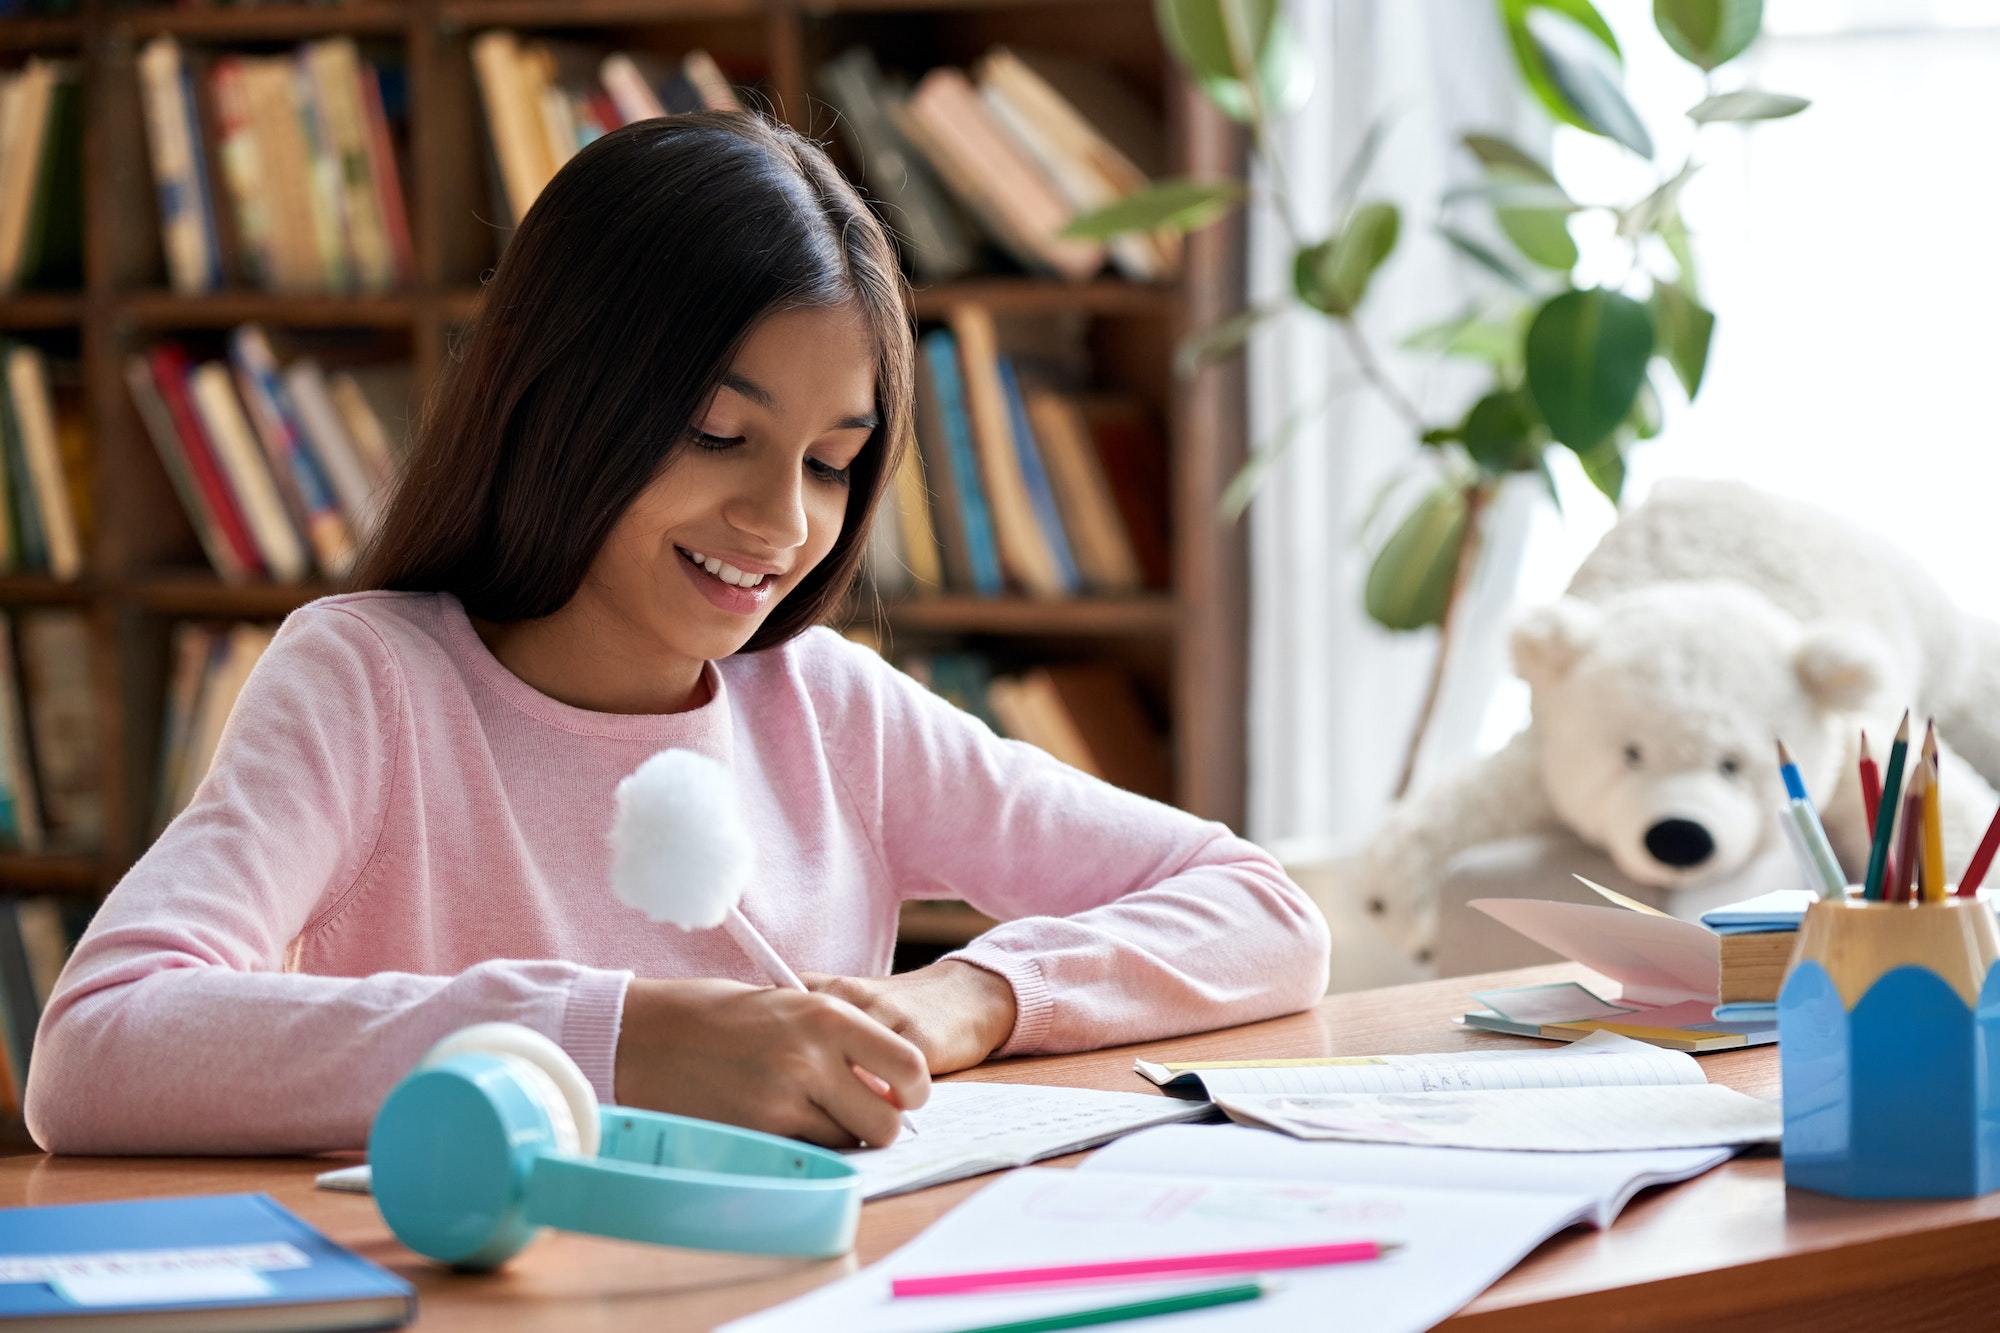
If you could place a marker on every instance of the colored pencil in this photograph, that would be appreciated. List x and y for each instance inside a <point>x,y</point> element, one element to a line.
<point>1822,868</point>
<point>1112,1314</point>
<point>1871,784</point>
<point>1885,814</point>
<point>1126,1270</point>
<point>1975,871</point>
<point>1909,841</point>
<point>1933,821</point>
<point>1795,786</point>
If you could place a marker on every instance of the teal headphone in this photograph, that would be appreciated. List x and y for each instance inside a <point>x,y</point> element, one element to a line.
<point>497,1133</point>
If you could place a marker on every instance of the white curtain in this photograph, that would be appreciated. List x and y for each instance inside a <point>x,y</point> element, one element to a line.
<point>1333,698</point>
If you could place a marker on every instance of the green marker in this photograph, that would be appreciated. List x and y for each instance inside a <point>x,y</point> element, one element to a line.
<point>1113,1314</point>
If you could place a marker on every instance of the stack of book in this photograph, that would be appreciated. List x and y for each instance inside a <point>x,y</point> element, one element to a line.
<point>1024,142</point>
<point>41,176</point>
<point>299,146</point>
<point>208,667</point>
<point>1089,716</point>
<point>50,790</point>
<point>1018,483</point>
<point>44,470</point>
<point>1758,936</point>
<point>36,936</point>
<point>545,100</point>
<point>280,469</point>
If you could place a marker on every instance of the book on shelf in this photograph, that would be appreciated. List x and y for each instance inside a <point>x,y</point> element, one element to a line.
<point>36,937</point>
<point>544,100</point>
<point>278,170</point>
<point>41,176</point>
<point>1089,715</point>
<point>22,807</point>
<point>934,237</point>
<point>1020,485</point>
<point>60,700</point>
<point>207,668</point>
<point>279,467</point>
<point>44,477</point>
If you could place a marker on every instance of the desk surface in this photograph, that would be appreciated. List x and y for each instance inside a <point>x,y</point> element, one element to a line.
<point>1804,1259</point>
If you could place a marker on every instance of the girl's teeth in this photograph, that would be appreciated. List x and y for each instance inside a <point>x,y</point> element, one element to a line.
<point>713,566</point>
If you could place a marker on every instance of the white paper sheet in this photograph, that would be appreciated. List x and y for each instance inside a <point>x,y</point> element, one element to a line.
<point>1609,1179</point>
<point>1656,960</point>
<point>1547,1120</point>
<point>967,1129</point>
<point>1456,1242</point>
<point>1601,1059</point>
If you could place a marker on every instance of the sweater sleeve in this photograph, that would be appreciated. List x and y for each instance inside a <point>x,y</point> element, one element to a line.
<point>1124,919</point>
<point>177,1026</point>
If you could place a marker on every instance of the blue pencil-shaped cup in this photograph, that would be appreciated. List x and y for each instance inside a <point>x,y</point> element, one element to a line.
<point>1889,1040</point>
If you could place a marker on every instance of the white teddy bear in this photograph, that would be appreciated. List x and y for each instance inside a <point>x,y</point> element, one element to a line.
<point>1712,621</point>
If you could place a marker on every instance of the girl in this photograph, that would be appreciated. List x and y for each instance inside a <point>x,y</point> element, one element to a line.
<point>640,493</point>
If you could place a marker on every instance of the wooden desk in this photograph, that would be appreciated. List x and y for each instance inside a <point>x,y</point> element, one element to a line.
<point>1732,1250</point>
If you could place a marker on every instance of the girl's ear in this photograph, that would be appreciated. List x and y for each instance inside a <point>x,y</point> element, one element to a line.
<point>1548,640</point>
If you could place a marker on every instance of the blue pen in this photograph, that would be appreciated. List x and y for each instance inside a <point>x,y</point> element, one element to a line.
<point>1819,861</point>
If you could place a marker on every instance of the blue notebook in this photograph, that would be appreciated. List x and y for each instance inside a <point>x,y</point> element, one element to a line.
<point>177,1263</point>
<point>941,350</point>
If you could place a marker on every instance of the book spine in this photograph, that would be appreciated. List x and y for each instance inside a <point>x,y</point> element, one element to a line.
<point>52,248</point>
<point>913,518</point>
<point>223,422</point>
<point>10,531</point>
<point>171,372</point>
<point>947,517</point>
<point>1036,477</point>
<point>1024,551</point>
<point>285,446</point>
<point>28,133</point>
<point>371,440</point>
<point>32,553</point>
<point>495,55</point>
<point>941,351</point>
<point>388,181</point>
<point>62,723</point>
<point>319,420</point>
<point>14,745</point>
<point>193,650</point>
<point>323,178</point>
<point>17,1000</point>
<point>633,96</point>
<point>34,410</point>
<point>1104,557</point>
<point>186,232</point>
<point>333,72</point>
<point>159,424</point>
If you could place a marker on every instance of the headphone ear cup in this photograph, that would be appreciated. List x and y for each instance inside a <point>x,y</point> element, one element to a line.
<point>549,1059</point>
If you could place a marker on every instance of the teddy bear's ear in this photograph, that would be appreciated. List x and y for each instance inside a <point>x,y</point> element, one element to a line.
<point>1842,665</point>
<point>1547,640</point>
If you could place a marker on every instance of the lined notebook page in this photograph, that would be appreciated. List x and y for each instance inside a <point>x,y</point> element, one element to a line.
<point>1603,1059</point>
<point>966,1129</point>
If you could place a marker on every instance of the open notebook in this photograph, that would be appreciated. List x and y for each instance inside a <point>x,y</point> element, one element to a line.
<point>968,1129</point>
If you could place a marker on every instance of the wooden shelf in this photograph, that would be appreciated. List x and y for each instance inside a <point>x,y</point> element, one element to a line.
<point>1063,617</point>
<point>48,872</point>
<point>221,310</point>
<point>198,594</point>
<point>593,13</point>
<point>41,310</point>
<point>40,590</point>
<point>40,34</point>
<point>265,22</point>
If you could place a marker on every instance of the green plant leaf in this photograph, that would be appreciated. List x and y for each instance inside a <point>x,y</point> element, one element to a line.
<point>1173,204</point>
<point>1409,582</point>
<point>1540,234</point>
<point>1605,466</point>
<point>1585,82</point>
<point>1487,258</point>
<point>1333,275</point>
<point>1647,418</point>
<point>1684,327</point>
<point>1652,211</point>
<point>1475,339</point>
<point>1493,151</point>
<point>1220,340</point>
<point>1345,193</point>
<point>1748,104</point>
<point>1549,481</point>
<point>1204,36</point>
<point>1243,486</point>
<point>1586,354</point>
<point>1708,33</point>
<point>1528,53</point>
<point>1502,432</point>
<point>1672,229</point>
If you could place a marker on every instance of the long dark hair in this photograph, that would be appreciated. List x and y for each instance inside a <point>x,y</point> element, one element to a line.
<point>607,326</point>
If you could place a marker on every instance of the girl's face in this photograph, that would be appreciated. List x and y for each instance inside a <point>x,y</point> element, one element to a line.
<point>756,496</point>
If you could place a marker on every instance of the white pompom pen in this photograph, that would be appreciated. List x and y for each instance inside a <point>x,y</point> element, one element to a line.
<point>681,853</point>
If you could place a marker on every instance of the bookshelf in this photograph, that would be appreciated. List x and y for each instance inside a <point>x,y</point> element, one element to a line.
<point>144,566</point>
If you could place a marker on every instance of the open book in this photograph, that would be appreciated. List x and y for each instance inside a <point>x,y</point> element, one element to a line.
<point>1607,1179</point>
<point>968,1129</point>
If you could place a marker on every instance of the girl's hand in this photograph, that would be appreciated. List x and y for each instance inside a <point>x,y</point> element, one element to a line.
<point>955,1013</point>
<point>782,1061</point>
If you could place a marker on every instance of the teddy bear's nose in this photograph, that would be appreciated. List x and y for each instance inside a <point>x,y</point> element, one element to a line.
<point>1680,843</point>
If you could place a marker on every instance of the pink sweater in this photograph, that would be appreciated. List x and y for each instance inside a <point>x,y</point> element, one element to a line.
<point>399,838</point>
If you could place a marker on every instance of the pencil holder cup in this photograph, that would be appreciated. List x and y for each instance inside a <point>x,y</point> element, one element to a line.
<point>1889,1042</point>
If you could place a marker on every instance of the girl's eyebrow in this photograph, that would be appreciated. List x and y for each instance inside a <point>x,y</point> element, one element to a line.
<point>767,400</point>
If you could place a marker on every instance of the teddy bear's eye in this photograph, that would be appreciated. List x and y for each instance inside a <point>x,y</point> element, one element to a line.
<point>1633,756</point>
<point>1730,765</point>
